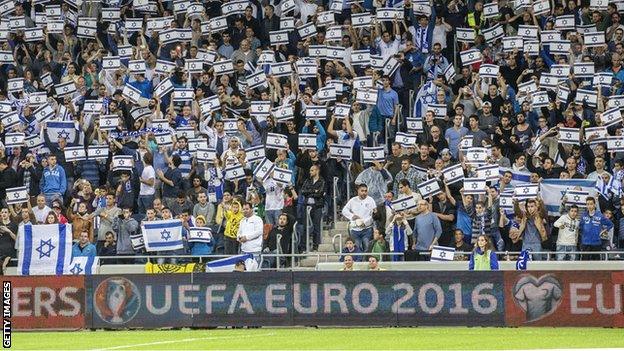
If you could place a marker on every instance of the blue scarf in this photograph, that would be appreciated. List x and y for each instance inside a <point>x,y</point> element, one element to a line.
<point>521,263</point>
<point>398,240</point>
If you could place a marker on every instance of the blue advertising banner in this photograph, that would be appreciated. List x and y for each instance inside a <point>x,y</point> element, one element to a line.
<point>296,298</point>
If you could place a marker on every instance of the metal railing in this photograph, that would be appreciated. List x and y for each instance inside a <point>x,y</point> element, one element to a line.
<point>339,237</point>
<point>308,225</point>
<point>335,199</point>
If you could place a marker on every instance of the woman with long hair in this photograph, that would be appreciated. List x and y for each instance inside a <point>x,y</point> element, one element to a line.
<point>483,257</point>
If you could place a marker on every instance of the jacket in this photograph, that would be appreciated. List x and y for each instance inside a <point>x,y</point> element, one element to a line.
<point>53,180</point>
<point>232,222</point>
<point>124,229</point>
<point>314,192</point>
<point>481,262</point>
<point>87,251</point>
<point>591,226</point>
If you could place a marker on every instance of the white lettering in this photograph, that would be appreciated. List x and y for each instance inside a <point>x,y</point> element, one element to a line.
<point>64,296</point>
<point>478,296</point>
<point>617,300</point>
<point>374,300</point>
<point>210,299</point>
<point>458,308</point>
<point>41,302</point>
<point>241,294</point>
<point>22,298</point>
<point>422,298</point>
<point>339,299</point>
<point>313,299</point>
<point>183,299</point>
<point>149,302</point>
<point>397,305</point>
<point>575,298</point>
<point>272,297</point>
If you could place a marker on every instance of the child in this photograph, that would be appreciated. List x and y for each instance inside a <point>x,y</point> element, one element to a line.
<point>349,249</point>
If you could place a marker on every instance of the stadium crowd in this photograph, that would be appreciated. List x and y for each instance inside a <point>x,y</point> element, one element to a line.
<point>232,115</point>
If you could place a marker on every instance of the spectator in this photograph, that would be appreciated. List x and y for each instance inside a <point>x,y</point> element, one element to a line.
<point>460,245</point>
<point>233,217</point>
<point>125,226</point>
<point>483,256</point>
<point>568,225</point>
<point>349,249</point>
<point>83,247</point>
<point>110,246</point>
<point>313,190</point>
<point>250,232</point>
<point>201,248</point>
<point>427,230</point>
<point>594,225</point>
<point>53,181</point>
<point>379,245</point>
<point>359,211</point>
<point>348,263</point>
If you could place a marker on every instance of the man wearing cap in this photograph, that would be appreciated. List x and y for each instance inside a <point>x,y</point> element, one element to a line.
<point>487,120</point>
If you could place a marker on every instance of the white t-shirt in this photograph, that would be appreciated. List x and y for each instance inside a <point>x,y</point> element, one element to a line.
<point>274,195</point>
<point>41,214</point>
<point>148,173</point>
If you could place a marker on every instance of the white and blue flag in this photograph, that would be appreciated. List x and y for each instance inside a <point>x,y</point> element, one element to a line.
<point>227,264</point>
<point>553,190</point>
<point>83,265</point>
<point>44,249</point>
<point>162,235</point>
<point>442,253</point>
<point>57,130</point>
<point>199,235</point>
<point>517,177</point>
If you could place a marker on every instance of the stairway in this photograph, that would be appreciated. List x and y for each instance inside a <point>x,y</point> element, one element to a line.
<point>327,247</point>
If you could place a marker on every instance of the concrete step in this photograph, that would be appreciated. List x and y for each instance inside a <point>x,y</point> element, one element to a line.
<point>311,261</point>
<point>326,247</point>
<point>343,225</point>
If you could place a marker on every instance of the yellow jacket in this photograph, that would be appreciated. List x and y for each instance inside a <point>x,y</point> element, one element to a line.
<point>232,221</point>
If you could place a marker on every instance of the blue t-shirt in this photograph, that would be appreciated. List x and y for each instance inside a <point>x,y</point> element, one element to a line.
<point>386,100</point>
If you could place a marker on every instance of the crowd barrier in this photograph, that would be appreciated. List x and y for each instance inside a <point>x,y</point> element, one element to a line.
<point>536,298</point>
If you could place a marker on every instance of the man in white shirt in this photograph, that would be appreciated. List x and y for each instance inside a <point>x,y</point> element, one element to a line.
<point>274,202</point>
<point>359,211</point>
<point>250,232</point>
<point>568,225</point>
<point>41,210</point>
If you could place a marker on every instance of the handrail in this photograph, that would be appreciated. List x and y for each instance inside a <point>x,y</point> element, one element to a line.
<point>335,199</point>
<point>308,225</point>
<point>339,235</point>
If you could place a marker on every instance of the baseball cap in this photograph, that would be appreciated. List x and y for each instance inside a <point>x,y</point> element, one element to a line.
<point>487,103</point>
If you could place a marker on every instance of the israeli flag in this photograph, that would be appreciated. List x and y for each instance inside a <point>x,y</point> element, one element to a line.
<point>414,125</point>
<point>429,188</point>
<point>10,119</point>
<point>278,37</point>
<point>326,94</point>
<point>576,197</point>
<point>260,108</point>
<point>162,235</point>
<point>16,195</point>
<point>281,69</point>
<point>307,141</point>
<point>506,200</point>
<point>602,79</point>
<point>122,163</point>
<point>453,174</point>
<point>14,139</point>
<point>227,264</point>
<point>583,69</point>
<point>442,253</point>
<point>540,99</point>
<point>164,67</point>
<point>264,169</point>
<point>491,35</point>
<point>375,153</point>
<point>164,138</point>
<point>489,172</point>
<point>470,57</point>
<point>361,20</point>
<point>562,93</point>
<point>559,47</point>
<point>255,153</point>
<point>306,69</point>
<point>111,63</point>
<point>97,152</point>
<point>488,71</point>
<point>164,87</point>
<point>342,110</point>
<point>75,153</point>
<point>366,97</point>
<point>223,67</point>
<point>313,112</point>
<point>476,155</point>
<point>199,235</point>
<point>569,136</point>
<point>474,186</point>
<point>256,80</point>
<point>541,7</point>
<point>465,35</point>
<point>341,151</point>
<point>528,32</point>
<point>276,141</point>
<point>594,39</point>
<point>83,265</point>
<point>599,134</point>
<point>553,190</point>
<point>548,81</point>
<point>283,113</point>
<point>282,176</point>
<point>615,101</point>
<point>560,70</point>
<point>65,89</point>
<point>615,143</point>
<point>44,249</point>
<point>131,93</point>
<point>589,97</point>
<point>403,204</point>
<point>234,172</point>
<point>449,73</point>
<point>307,30</point>
<point>565,22</point>
<point>360,57</point>
<point>513,43</point>
<point>526,191</point>
<point>138,243</point>
<point>405,139</point>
